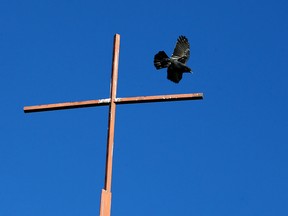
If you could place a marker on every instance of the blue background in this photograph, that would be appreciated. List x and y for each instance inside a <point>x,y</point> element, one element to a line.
<point>225,155</point>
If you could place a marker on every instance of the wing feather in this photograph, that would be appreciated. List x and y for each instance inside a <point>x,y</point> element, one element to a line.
<point>182,50</point>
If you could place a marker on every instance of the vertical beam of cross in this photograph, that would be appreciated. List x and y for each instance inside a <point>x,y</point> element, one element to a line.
<point>105,205</point>
<point>112,114</point>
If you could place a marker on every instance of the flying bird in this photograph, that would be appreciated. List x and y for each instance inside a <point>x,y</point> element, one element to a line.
<point>176,64</point>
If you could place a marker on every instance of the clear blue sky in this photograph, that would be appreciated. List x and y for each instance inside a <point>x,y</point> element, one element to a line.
<point>223,156</point>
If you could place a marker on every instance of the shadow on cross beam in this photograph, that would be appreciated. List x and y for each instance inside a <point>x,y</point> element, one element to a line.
<point>107,101</point>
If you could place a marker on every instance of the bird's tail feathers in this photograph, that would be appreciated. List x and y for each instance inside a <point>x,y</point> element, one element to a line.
<point>161,60</point>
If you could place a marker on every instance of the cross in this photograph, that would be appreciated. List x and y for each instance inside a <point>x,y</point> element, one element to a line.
<point>105,205</point>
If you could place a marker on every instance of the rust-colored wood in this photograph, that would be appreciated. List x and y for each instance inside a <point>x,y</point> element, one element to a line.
<point>106,101</point>
<point>159,98</point>
<point>105,205</point>
<point>66,105</point>
<point>106,199</point>
<point>112,112</point>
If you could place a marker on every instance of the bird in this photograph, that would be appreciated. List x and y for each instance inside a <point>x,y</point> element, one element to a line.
<point>176,64</point>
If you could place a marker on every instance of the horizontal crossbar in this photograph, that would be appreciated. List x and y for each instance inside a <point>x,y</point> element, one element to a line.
<point>102,102</point>
<point>159,98</point>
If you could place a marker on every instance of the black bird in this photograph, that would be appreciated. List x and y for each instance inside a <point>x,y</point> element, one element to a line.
<point>176,64</point>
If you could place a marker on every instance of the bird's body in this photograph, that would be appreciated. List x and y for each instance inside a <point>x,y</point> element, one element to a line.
<point>176,64</point>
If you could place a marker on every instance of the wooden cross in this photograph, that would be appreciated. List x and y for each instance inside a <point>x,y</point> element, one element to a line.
<point>105,205</point>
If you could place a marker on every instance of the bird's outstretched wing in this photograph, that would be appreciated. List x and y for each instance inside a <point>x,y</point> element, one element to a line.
<point>182,50</point>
